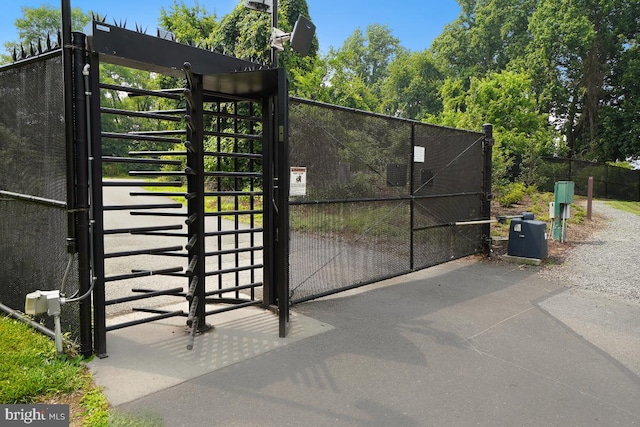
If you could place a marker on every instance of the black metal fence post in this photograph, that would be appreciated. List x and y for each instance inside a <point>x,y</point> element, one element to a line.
<point>487,149</point>
<point>412,202</point>
<point>67,66</point>
<point>282,260</point>
<point>81,140</point>
<point>99,297</point>
<point>195,201</point>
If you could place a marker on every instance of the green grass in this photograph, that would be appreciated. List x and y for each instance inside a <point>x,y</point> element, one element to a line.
<point>31,371</point>
<point>632,207</point>
<point>30,368</point>
<point>226,203</point>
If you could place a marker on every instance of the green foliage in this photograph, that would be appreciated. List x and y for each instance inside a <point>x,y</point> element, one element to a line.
<point>30,367</point>
<point>511,194</point>
<point>38,23</point>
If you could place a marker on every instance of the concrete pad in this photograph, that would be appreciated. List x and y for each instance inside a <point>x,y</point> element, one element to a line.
<point>150,357</point>
<point>608,323</point>
<point>521,260</point>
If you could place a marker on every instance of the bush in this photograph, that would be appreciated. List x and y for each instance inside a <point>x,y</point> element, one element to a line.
<point>512,193</point>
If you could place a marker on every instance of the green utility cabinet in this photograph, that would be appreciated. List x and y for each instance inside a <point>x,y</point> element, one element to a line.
<point>564,192</point>
<point>563,197</point>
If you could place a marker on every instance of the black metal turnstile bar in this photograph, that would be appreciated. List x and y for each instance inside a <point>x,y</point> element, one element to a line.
<point>171,94</point>
<point>159,132</point>
<point>233,155</point>
<point>232,232</point>
<point>221,174</point>
<point>157,173</point>
<point>157,153</point>
<point>150,138</point>
<point>234,213</point>
<point>231,116</point>
<point>108,159</point>
<point>137,274</point>
<point>135,230</point>
<point>159,193</point>
<point>156,206</point>
<point>142,184</point>
<point>233,193</point>
<point>151,294</point>
<point>232,135</point>
<point>167,214</point>
<point>235,251</point>
<point>146,320</point>
<point>233,289</point>
<point>233,270</point>
<point>157,115</point>
<point>152,251</point>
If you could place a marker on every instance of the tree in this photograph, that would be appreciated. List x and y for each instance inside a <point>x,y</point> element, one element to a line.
<point>39,23</point>
<point>246,34</point>
<point>485,38</point>
<point>574,51</point>
<point>190,25</point>
<point>505,99</point>
<point>411,88</point>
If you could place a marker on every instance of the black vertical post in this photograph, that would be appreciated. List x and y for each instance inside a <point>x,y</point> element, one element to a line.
<point>67,76</point>
<point>412,203</point>
<point>268,291</point>
<point>81,141</point>
<point>487,150</point>
<point>282,238</point>
<point>195,196</point>
<point>99,307</point>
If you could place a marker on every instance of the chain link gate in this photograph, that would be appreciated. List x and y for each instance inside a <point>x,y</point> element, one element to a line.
<point>212,142</point>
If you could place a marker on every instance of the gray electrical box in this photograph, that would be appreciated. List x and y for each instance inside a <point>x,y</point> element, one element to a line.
<point>527,239</point>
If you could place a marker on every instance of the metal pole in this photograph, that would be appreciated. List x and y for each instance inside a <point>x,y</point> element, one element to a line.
<point>282,141</point>
<point>83,234</point>
<point>412,203</point>
<point>67,78</point>
<point>487,129</point>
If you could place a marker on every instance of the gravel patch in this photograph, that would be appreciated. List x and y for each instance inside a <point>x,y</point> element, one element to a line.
<point>607,263</point>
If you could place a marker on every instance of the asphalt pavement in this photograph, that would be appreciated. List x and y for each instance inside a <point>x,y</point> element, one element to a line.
<point>465,343</point>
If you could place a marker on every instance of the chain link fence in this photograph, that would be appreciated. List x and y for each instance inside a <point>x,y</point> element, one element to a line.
<point>33,167</point>
<point>609,182</point>
<point>381,195</point>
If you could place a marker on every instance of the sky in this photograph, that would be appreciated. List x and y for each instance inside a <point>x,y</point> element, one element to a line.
<point>414,22</point>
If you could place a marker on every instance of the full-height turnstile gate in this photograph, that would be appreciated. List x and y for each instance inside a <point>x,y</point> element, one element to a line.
<point>215,142</point>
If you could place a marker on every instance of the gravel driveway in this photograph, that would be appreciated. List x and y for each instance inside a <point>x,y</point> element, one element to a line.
<point>608,262</point>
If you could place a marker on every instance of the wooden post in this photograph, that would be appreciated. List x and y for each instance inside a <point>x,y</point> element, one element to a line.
<point>589,197</point>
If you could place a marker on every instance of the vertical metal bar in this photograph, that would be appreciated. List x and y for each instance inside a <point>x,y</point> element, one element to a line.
<point>219,199</point>
<point>412,203</point>
<point>195,185</point>
<point>252,183</point>
<point>268,294</point>
<point>97,200</point>
<point>282,239</point>
<point>237,186</point>
<point>67,76</point>
<point>589,197</point>
<point>83,244</point>
<point>486,186</point>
